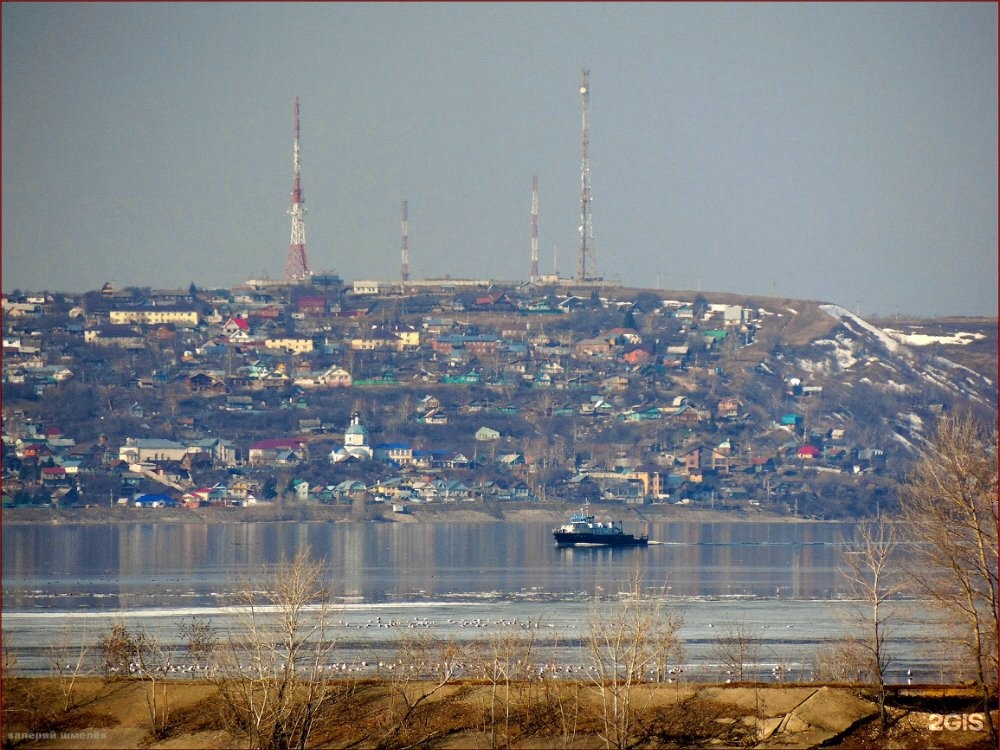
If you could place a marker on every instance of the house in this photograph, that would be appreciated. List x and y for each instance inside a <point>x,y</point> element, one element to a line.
<point>310,425</point>
<point>53,475</point>
<point>487,434</point>
<point>621,336</point>
<point>428,403</point>
<point>290,344</point>
<point>593,348</point>
<point>214,495</point>
<point>688,415</point>
<point>141,450</point>
<point>349,490</point>
<point>469,378</point>
<point>278,452</point>
<point>155,501</point>
<point>179,317</point>
<point>332,377</point>
<point>614,384</point>
<point>652,478</point>
<point>239,403</point>
<point>455,460</point>
<point>203,382</point>
<point>400,454</point>
<point>312,305</point>
<point>808,452</point>
<point>434,416</point>
<point>728,408</point>
<point>497,300</point>
<point>636,357</point>
<point>70,465</point>
<point>450,490</point>
<point>124,336</point>
<point>240,488</point>
<point>791,420</point>
<point>720,459</point>
<point>519,491</point>
<point>699,459</point>
<point>386,378</point>
<point>396,488</point>
<point>235,326</point>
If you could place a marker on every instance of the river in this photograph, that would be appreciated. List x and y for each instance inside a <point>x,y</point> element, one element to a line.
<point>780,581</point>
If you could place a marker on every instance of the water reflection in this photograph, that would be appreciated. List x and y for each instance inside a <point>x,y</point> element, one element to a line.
<point>152,564</point>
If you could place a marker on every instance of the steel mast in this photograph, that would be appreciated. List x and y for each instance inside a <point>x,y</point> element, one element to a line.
<point>297,263</point>
<point>404,272</point>
<point>534,229</point>
<point>586,217</point>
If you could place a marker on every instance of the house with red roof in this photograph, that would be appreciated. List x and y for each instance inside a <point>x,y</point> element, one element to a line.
<point>808,452</point>
<point>278,452</point>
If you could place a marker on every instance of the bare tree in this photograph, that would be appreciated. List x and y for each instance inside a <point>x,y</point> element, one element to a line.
<point>873,578</point>
<point>424,668</point>
<point>117,648</point>
<point>949,507</point>
<point>70,658</point>
<point>737,650</point>
<point>136,653</point>
<point>271,663</point>
<point>506,661</point>
<point>841,661</point>
<point>625,644</point>
<point>201,641</point>
<point>152,663</point>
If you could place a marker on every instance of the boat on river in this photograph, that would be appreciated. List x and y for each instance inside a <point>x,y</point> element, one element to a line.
<point>584,530</point>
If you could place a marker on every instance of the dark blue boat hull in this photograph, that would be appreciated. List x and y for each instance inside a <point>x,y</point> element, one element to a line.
<point>567,539</point>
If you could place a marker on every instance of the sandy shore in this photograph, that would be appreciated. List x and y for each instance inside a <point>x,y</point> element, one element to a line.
<point>468,714</point>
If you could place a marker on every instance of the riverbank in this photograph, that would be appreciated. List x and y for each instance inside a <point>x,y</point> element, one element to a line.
<point>465,512</point>
<point>467,714</point>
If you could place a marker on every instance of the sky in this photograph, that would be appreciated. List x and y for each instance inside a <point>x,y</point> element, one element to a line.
<point>841,152</point>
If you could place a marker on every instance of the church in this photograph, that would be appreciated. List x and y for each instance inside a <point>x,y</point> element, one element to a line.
<point>355,443</point>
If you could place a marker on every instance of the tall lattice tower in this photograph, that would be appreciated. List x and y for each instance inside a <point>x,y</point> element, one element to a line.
<point>404,269</point>
<point>297,263</point>
<point>534,229</point>
<point>586,210</point>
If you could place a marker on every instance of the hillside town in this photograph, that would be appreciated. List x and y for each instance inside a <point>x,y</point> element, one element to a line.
<point>442,392</point>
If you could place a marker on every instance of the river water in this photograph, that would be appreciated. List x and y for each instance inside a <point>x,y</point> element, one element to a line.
<point>779,581</point>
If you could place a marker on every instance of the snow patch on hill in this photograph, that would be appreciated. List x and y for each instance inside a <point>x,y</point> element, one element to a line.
<point>852,322</point>
<point>960,338</point>
<point>843,351</point>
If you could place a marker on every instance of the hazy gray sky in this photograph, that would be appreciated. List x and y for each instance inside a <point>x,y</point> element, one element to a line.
<point>840,152</point>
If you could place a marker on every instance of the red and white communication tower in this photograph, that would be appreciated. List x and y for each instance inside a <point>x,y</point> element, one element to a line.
<point>534,229</point>
<point>297,263</point>
<point>404,270</point>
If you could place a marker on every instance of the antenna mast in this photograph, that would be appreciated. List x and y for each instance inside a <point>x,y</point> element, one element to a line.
<point>404,272</point>
<point>586,218</point>
<point>297,264</point>
<point>534,229</point>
